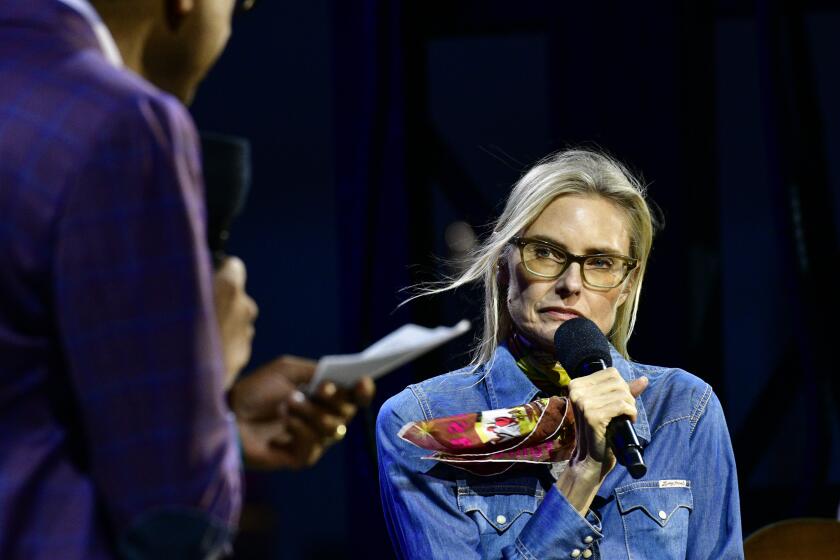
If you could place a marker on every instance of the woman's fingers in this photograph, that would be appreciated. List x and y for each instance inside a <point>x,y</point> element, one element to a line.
<point>637,386</point>
<point>599,410</point>
<point>598,398</point>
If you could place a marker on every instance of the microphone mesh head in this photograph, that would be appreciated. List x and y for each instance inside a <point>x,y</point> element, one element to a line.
<point>579,342</point>
<point>227,176</point>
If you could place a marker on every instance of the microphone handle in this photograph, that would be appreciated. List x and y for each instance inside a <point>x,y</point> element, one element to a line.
<point>625,445</point>
<point>620,432</point>
<point>219,255</point>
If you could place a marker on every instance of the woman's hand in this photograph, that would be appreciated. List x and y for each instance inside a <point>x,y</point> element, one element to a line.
<point>597,399</point>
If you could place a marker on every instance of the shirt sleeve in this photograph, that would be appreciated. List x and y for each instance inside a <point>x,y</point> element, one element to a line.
<point>134,308</point>
<point>714,529</point>
<point>423,516</point>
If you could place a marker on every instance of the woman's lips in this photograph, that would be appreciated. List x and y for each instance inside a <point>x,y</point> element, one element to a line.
<point>560,314</point>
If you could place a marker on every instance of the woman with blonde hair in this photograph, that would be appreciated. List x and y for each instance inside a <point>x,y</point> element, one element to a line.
<point>533,474</point>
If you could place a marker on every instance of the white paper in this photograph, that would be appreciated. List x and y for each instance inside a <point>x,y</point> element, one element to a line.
<point>398,348</point>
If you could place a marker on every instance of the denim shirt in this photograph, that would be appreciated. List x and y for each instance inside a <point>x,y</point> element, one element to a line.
<point>686,506</point>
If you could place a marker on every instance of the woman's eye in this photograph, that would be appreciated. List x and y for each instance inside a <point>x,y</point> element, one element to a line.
<point>601,263</point>
<point>543,252</point>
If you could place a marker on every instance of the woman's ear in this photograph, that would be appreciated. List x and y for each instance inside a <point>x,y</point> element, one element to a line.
<point>627,287</point>
<point>502,273</point>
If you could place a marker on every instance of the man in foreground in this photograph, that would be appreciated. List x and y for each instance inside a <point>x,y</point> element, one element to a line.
<point>116,438</point>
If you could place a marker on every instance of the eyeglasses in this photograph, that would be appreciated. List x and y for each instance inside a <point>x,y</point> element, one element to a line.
<point>244,6</point>
<point>547,260</point>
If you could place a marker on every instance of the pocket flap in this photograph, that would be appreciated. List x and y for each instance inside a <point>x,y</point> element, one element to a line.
<point>499,504</point>
<point>659,499</point>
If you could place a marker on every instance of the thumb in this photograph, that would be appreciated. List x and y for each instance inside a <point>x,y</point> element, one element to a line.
<point>232,271</point>
<point>637,386</point>
<point>295,369</point>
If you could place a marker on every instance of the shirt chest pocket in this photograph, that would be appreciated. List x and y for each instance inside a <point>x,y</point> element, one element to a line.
<point>654,515</point>
<point>496,506</point>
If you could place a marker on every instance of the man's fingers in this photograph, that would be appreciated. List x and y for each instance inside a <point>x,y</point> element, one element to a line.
<point>326,391</point>
<point>232,271</point>
<point>308,445</point>
<point>317,417</point>
<point>251,308</point>
<point>288,443</point>
<point>275,432</point>
<point>294,368</point>
<point>259,395</point>
<point>261,442</point>
<point>336,400</point>
<point>364,391</point>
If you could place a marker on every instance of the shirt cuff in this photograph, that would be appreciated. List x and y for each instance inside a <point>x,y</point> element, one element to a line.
<point>558,530</point>
<point>233,426</point>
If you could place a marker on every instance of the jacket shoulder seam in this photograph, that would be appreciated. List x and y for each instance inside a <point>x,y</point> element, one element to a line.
<point>700,408</point>
<point>420,396</point>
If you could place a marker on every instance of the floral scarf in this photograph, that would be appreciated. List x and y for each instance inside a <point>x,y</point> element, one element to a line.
<point>492,441</point>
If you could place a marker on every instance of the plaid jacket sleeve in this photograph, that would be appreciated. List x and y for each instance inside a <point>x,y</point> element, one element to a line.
<point>133,299</point>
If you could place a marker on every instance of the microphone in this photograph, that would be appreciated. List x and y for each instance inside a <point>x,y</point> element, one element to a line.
<point>226,165</point>
<point>581,348</point>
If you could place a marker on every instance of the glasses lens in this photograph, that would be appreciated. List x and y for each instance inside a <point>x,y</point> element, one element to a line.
<point>604,272</point>
<point>543,260</point>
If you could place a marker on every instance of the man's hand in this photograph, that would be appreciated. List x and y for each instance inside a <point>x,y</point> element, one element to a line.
<point>235,315</point>
<point>280,426</point>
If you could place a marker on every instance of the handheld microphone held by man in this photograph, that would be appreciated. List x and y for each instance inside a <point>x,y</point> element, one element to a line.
<point>227,180</point>
<point>581,348</point>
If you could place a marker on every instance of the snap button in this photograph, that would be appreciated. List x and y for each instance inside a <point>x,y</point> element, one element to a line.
<point>587,553</point>
<point>662,515</point>
<point>575,553</point>
<point>501,519</point>
<point>588,539</point>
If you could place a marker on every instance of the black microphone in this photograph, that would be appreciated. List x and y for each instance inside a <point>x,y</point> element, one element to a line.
<point>581,348</point>
<point>226,165</point>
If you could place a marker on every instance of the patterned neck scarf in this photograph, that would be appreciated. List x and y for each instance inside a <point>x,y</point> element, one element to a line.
<point>492,441</point>
<point>539,367</point>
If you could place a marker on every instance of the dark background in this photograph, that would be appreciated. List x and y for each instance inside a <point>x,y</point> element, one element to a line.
<point>377,124</point>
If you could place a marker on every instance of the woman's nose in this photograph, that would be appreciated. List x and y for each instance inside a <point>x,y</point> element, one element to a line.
<point>571,281</point>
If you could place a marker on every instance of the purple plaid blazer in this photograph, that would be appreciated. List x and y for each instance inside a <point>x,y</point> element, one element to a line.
<point>114,436</point>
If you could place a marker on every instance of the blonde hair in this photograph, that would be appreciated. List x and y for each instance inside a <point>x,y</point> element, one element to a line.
<point>571,172</point>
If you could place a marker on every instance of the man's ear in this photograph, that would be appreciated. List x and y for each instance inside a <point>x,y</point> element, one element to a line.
<point>177,11</point>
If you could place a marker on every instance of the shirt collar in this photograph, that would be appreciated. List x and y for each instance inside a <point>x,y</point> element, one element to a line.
<point>100,30</point>
<point>508,386</point>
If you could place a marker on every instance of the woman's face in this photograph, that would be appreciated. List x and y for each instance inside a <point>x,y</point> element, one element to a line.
<point>581,225</point>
